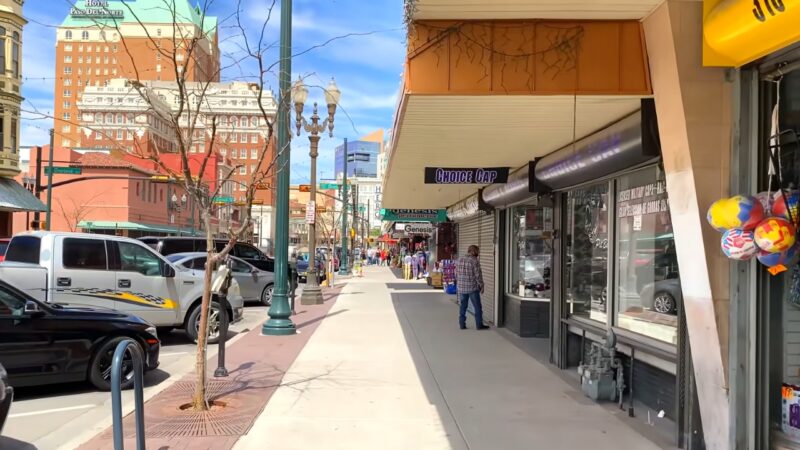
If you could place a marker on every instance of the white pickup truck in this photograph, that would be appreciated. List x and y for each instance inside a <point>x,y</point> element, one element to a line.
<point>102,271</point>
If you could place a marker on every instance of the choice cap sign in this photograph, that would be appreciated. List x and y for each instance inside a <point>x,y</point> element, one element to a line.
<point>475,175</point>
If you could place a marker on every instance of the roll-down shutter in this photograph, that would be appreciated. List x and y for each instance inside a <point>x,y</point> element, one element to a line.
<point>480,231</point>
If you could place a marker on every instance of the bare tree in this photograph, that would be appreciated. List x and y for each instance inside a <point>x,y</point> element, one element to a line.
<point>77,212</point>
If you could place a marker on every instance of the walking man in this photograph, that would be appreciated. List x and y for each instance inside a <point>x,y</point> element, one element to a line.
<point>407,267</point>
<point>469,286</point>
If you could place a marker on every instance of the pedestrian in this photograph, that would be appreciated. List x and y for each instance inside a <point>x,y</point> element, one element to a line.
<point>371,256</point>
<point>415,265</point>
<point>469,286</point>
<point>407,261</point>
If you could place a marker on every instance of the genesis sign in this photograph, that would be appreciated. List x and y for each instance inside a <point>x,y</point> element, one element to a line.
<point>97,9</point>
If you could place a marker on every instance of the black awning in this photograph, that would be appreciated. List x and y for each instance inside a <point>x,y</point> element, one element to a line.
<point>14,197</point>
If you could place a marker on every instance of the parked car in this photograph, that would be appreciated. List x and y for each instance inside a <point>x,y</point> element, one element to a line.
<point>242,250</point>
<point>3,246</point>
<point>662,296</point>
<point>254,284</point>
<point>302,266</point>
<point>6,396</point>
<point>45,344</point>
<point>104,271</point>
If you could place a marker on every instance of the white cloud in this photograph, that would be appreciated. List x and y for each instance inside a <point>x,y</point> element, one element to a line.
<point>34,135</point>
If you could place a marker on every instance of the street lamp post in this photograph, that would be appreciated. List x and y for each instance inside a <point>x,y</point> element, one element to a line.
<point>343,259</point>
<point>312,294</point>
<point>279,323</point>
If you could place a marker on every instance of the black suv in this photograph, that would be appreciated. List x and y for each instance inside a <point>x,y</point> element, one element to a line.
<point>242,250</point>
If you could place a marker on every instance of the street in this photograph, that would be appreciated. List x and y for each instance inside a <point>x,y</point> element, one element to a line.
<point>56,416</point>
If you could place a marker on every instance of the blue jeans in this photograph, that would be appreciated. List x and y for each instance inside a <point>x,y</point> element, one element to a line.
<point>475,297</point>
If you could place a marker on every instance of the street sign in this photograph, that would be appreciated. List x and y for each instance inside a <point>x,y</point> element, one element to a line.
<point>362,208</point>
<point>262,186</point>
<point>322,209</point>
<point>223,199</point>
<point>311,213</point>
<point>63,170</point>
<point>326,186</point>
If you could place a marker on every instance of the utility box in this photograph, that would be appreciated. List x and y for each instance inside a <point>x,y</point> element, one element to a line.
<point>601,377</point>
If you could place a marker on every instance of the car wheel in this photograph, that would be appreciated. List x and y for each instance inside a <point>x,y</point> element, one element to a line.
<point>100,368</point>
<point>664,303</point>
<point>193,323</point>
<point>266,295</point>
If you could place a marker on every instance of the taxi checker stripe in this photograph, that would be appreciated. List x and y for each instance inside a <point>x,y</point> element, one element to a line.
<point>127,297</point>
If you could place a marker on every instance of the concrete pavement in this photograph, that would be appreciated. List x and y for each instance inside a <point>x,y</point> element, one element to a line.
<point>389,368</point>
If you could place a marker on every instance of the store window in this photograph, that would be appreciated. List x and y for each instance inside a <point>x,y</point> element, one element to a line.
<point>647,280</point>
<point>532,252</point>
<point>586,253</point>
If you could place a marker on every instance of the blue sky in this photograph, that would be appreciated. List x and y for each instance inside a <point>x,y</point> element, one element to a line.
<point>367,67</point>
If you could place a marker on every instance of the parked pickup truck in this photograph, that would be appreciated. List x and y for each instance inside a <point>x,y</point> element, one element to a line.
<point>110,272</point>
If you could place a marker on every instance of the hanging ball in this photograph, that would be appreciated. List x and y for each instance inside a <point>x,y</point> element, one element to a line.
<point>774,235</point>
<point>786,258</point>
<point>779,202</point>
<point>739,211</point>
<point>738,244</point>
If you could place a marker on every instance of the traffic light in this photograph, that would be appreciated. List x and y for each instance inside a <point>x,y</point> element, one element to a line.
<point>305,188</point>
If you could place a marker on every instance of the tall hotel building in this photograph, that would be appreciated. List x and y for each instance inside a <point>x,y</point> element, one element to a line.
<point>103,40</point>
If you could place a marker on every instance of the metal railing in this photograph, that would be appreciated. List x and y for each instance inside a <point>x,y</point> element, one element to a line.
<point>116,393</point>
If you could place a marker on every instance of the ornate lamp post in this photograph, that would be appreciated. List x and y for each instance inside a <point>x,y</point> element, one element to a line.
<point>312,294</point>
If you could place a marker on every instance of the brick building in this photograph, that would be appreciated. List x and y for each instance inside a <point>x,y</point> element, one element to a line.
<point>142,40</point>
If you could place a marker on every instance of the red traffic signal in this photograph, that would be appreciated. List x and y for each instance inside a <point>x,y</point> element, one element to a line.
<point>305,188</point>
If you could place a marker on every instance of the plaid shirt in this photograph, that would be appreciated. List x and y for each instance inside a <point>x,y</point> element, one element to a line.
<point>469,277</point>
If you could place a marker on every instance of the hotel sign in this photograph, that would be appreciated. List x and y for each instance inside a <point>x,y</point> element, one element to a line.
<point>737,32</point>
<point>97,9</point>
<point>414,215</point>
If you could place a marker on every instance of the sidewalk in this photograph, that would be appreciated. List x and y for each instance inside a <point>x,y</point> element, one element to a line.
<point>389,369</point>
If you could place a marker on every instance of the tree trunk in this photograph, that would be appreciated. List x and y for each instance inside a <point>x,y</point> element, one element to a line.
<point>199,400</point>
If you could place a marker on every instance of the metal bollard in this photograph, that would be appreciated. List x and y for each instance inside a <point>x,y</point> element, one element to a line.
<point>293,283</point>
<point>116,393</point>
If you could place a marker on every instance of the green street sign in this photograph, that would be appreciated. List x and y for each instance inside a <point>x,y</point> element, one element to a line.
<point>414,215</point>
<point>225,199</point>
<point>328,186</point>
<point>362,208</point>
<point>63,170</point>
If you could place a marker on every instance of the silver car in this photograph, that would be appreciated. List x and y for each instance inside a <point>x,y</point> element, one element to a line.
<point>255,285</point>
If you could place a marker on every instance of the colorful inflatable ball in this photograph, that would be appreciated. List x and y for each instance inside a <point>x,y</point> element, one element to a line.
<point>738,244</point>
<point>786,258</point>
<point>740,211</point>
<point>779,202</point>
<point>774,235</point>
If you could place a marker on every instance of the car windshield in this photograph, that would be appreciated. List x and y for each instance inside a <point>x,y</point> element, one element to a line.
<point>3,247</point>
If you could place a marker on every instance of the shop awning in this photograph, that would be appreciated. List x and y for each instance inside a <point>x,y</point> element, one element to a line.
<point>131,226</point>
<point>14,197</point>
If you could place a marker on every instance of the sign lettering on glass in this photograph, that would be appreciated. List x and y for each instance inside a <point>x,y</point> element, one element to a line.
<point>480,175</point>
<point>642,200</point>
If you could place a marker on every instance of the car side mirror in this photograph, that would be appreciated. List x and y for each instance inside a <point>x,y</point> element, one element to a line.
<point>32,309</point>
<point>167,271</point>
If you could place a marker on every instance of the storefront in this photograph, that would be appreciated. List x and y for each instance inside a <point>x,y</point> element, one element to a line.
<point>767,306</point>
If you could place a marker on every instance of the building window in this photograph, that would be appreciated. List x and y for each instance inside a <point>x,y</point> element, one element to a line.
<point>67,93</point>
<point>252,168</point>
<point>245,123</point>
<point>254,138</point>
<point>80,61</point>
<point>68,48</point>
<point>253,153</point>
<point>130,135</point>
<point>85,35</point>
<point>223,151</point>
<point>97,136</point>
<point>97,48</point>
<point>66,142</point>
<point>243,170</point>
<point>67,104</point>
<point>158,67</point>
<point>114,60</point>
<point>114,49</point>
<point>234,120</point>
<point>98,118</point>
<point>158,32</point>
<point>80,82</point>
<point>67,69</point>
<point>97,72</point>
<point>66,129</point>
<point>119,135</point>
<point>68,35</point>
<point>254,121</point>
<point>105,58</point>
<point>531,250</point>
<point>80,47</point>
<point>179,57</point>
<point>242,138</point>
<point>66,116</point>
<point>647,279</point>
<point>586,271</point>
<point>119,118</point>
<point>68,59</point>
<point>158,56</point>
<point>67,81</point>
<point>105,50</point>
<point>243,153</point>
<point>233,138</point>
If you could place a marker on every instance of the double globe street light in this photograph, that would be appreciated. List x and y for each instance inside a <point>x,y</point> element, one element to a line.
<point>312,294</point>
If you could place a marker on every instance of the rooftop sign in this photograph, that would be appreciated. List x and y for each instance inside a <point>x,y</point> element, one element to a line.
<point>97,9</point>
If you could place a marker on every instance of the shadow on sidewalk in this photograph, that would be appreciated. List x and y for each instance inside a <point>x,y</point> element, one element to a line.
<point>397,272</point>
<point>309,322</point>
<point>411,287</point>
